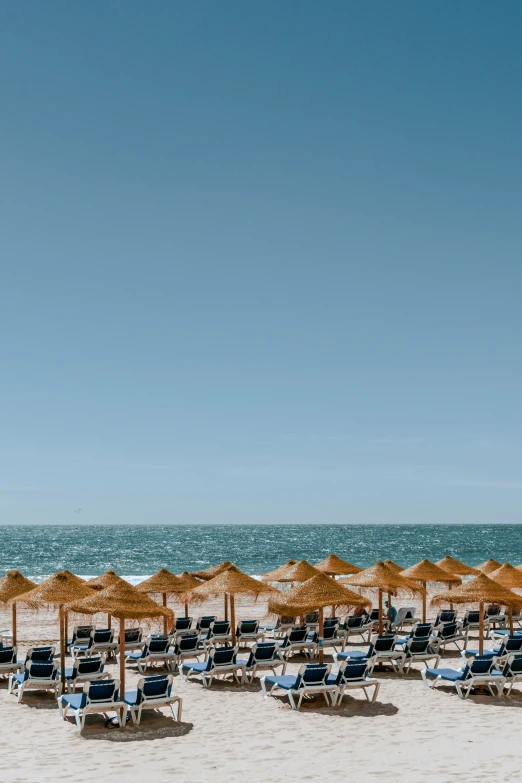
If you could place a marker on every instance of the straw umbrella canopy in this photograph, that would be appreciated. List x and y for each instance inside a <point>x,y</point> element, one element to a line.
<point>383,578</point>
<point>106,580</point>
<point>508,576</point>
<point>58,590</point>
<point>300,571</point>
<point>273,576</point>
<point>315,593</point>
<point>188,582</point>
<point>426,571</point>
<point>479,590</point>
<point>335,566</point>
<point>210,573</point>
<point>13,584</point>
<point>162,582</point>
<point>231,582</point>
<point>454,566</point>
<point>488,566</point>
<point>122,601</point>
<point>393,566</point>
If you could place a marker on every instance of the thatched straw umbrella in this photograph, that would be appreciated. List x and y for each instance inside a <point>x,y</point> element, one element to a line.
<point>454,566</point>
<point>393,566</point>
<point>106,580</point>
<point>296,572</point>
<point>231,582</point>
<point>510,577</point>
<point>188,582</point>
<point>488,566</point>
<point>426,571</point>
<point>162,582</point>
<point>479,590</point>
<point>273,576</point>
<point>210,573</point>
<point>123,601</point>
<point>12,585</point>
<point>385,580</point>
<point>58,590</point>
<point>334,566</point>
<point>315,593</point>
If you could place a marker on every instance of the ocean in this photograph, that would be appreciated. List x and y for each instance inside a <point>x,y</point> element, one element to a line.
<point>136,552</point>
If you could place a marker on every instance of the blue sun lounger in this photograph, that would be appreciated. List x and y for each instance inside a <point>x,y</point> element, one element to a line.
<point>101,640</point>
<point>297,641</point>
<point>420,631</point>
<point>186,646</point>
<point>152,693</point>
<point>42,654</point>
<point>383,649</point>
<point>84,670</point>
<point>37,675</point>
<point>97,697</point>
<point>478,671</point>
<point>511,674</point>
<point>449,633</point>
<point>80,635</point>
<point>361,625</point>
<point>248,631</point>
<point>218,633</point>
<point>8,662</point>
<point>155,650</point>
<point>221,661</point>
<point>353,674</point>
<point>263,656</point>
<point>509,645</point>
<point>311,679</point>
<point>418,649</point>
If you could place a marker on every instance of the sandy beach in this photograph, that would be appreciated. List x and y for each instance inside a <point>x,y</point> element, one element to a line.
<point>228,733</point>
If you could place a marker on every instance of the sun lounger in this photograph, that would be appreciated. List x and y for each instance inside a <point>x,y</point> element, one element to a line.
<point>6,636</point>
<point>418,649</point>
<point>353,674</point>
<point>155,650</point>
<point>284,624</point>
<point>182,625</point>
<point>405,617</point>
<point>444,617</point>
<point>84,670</point>
<point>80,635</point>
<point>221,661</point>
<point>203,623</point>
<point>311,679</point>
<point>152,693</point>
<point>449,633</point>
<point>496,617</point>
<point>133,639</point>
<point>297,641</point>
<point>248,631</point>
<point>511,673</point>
<point>419,631</point>
<point>471,620</point>
<point>383,649</point>
<point>331,637</point>
<point>478,671</point>
<point>263,656</point>
<point>218,633</point>
<point>8,662</point>
<point>43,654</point>
<point>362,625</point>
<point>37,675</point>
<point>97,697</point>
<point>185,647</point>
<point>101,640</point>
<point>508,646</point>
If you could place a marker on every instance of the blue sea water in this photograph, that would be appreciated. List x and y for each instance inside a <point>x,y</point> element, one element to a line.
<point>139,551</point>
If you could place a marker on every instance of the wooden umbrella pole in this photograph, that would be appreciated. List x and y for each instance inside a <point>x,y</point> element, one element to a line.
<point>122,660</point>
<point>424,603</point>
<point>450,587</point>
<point>109,622</point>
<point>13,623</point>
<point>232,618</point>
<point>321,635</point>
<point>62,646</point>
<point>65,626</point>
<point>333,610</point>
<point>380,612</point>
<point>226,607</point>
<point>481,628</point>
<point>186,609</point>
<point>165,629</point>
<point>511,631</point>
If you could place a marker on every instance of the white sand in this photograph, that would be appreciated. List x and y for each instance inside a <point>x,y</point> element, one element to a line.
<point>228,733</point>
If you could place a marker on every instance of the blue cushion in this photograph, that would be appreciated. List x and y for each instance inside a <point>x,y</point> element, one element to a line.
<point>131,697</point>
<point>68,673</point>
<point>196,667</point>
<point>19,677</point>
<point>74,700</point>
<point>446,674</point>
<point>352,654</point>
<point>286,681</point>
<point>134,656</point>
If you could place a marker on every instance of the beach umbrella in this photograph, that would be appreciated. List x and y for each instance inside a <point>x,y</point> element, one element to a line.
<point>106,580</point>
<point>273,576</point>
<point>393,566</point>
<point>230,582</point>
<point>426,571</point>
<point>299,571</point>
<point>383,578</point>
<point>162,582</point>
<point>210,573</point>
<point>12,585</point>
<point>188,582</point>
<point>454,566</point>
<point>481,590</point>
<point>122,601</point>
<point>315,593</point>
<point>58,590</point>
<point>334,566</point>
<point>510,577</point>
<point>488,566</point>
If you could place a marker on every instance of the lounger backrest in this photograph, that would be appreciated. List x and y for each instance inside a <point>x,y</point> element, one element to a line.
<point>446,616</point>
<point>286,619</point>
<point>187,643</point>
<point>203,623</point>
<point>422,630</point>
<point>297,635</point>
<point>219,628</point>
<point>264,651</point>
<point>513,643</point>
<point>8,655</point>
<point>448,630</point>
<point>183,623</point>
<point>349,671</point>
<point>513,666</point>
<point>313,617</point>
<point>493,610</point>
<point>154,687</point>
<point>329,632</point>
<point>81,633</point>
<point>374,615</point>
<point>222,656</point>
<point>40,653</point>
<point>331,621</point>
<point>481,664</point>
<point>384,643</point>
<point>158,645</point>
<point>88,666</point>
<point>103,636</point>
<point>416,646</point>
<point>40,670</point>
<point>473,617</point>
<point>247,627</point>
<point>312,674</point>
<point>354,622</point>
<point>132,635</point>
<point>103,691</point>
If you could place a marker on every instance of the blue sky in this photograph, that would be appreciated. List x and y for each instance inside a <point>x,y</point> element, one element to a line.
<point>260,263</point>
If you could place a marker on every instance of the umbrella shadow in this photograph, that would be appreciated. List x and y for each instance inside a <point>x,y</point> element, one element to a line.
<point>39,700</point>
<point>230,685</point>
<point>349,708</point>
<point>154,725</point>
